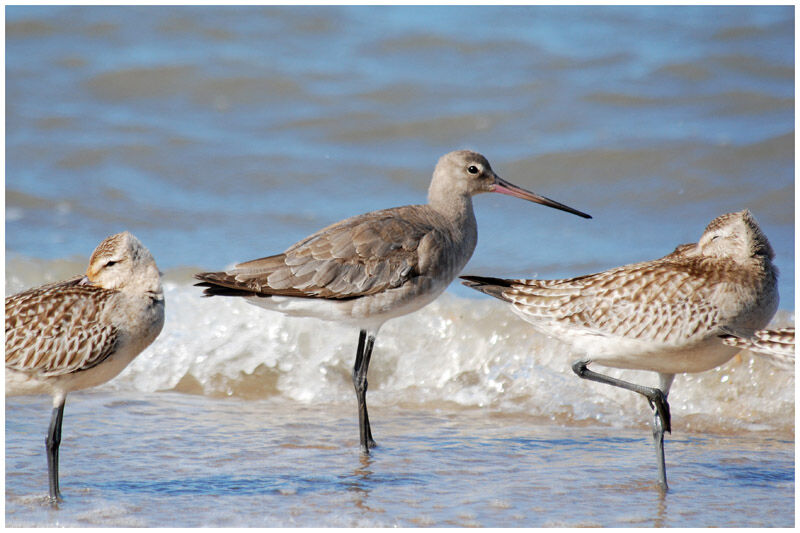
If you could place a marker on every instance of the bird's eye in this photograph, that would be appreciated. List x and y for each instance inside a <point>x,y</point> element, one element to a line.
<point>111,263</point>
<point>472,169</point>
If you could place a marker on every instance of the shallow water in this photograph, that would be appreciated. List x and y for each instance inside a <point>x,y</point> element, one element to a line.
<point>223,134</point>
<point>291,465</point>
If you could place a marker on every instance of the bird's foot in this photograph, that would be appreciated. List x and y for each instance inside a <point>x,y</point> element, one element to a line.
<point>365,448</point>
<point>658,402</point>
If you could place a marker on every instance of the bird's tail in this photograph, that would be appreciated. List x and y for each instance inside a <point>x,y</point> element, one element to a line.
<point>491,286</point>
<point>220,284</point>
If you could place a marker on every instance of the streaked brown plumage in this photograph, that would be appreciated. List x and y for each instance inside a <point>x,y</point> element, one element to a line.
<point>60,320</point>
<point>369,268</point>
<point>83,331</point>
<point>663,315</point>
<point>776,345</point>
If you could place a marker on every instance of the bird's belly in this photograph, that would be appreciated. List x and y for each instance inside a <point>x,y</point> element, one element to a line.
<point>20,383</point>
<point>102,373</point>
<point>666,359</point>
<point>637,354</point>
<point>363,312</point>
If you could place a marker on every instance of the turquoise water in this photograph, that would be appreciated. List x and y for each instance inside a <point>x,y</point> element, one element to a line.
<point>218,135</point>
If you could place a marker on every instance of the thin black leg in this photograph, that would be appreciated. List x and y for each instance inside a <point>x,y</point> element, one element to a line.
<point>365,343</point>
<point>658,402</point>
<point>52,442</point>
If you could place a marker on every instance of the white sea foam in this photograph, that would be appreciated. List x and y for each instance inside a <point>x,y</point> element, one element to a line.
<point>460,351</point>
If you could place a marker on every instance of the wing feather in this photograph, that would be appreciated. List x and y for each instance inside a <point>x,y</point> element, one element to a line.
<point>662,300</point>
<point>651,301</point>
<point>56,329</point>
<point>777,343</point>
<point>359,256</point>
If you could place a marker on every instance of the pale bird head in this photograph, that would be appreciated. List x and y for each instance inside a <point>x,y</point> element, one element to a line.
<point>469,173</point>
<point>737,236</point>
<point>122,262</point>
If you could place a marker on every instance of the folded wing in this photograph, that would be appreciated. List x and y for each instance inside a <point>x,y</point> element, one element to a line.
<point>657,300</point>
<point>56,329</point>
<point>359,256</point>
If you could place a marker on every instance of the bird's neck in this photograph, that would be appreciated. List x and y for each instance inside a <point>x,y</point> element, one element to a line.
<point>457,211</point>
<point>457,208</point>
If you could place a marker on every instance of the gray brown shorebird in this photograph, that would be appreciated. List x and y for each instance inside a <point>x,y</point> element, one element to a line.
<point>665,315</point>
<point>82,332</point>
<point>369,268</point>
<point>775,345</point>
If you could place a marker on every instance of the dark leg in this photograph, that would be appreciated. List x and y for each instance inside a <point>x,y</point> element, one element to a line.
<point>51,443</point>
<point>655,397</point>
<point>658,439</point>
<point>365,343</point>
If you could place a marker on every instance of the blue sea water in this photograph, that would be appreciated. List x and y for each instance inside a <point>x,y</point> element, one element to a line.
<point>222,134</point>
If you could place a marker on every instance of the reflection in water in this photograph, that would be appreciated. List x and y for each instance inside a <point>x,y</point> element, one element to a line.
<point>661,508</point>
<point>359,484</point>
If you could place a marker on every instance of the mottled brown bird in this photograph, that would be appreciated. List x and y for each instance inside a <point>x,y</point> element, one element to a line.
<point>82,332</point>
<point>665,315</point>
